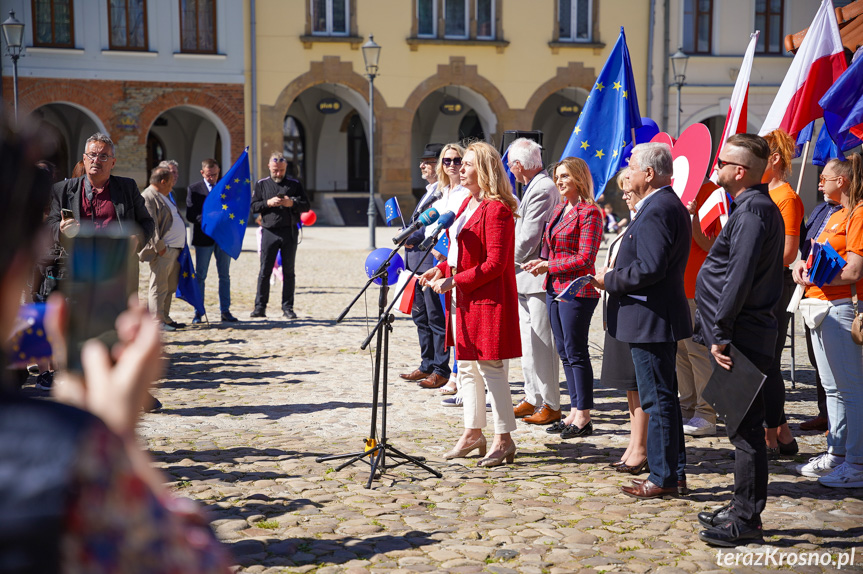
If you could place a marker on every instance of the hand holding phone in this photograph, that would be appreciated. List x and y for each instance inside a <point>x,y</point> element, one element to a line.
<point>67,214</point>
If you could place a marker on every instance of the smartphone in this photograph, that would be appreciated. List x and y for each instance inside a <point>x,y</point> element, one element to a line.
<point>95,287</point>
<point>67,214</point>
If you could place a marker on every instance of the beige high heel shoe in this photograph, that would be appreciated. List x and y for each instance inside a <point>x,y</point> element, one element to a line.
<point>508,454</point>
<point>480,444</point>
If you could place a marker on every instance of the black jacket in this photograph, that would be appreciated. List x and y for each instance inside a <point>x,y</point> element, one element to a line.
<point>195,196</point>
<point>278,217</point>
<point>127,200</point>
<point>740,281</point>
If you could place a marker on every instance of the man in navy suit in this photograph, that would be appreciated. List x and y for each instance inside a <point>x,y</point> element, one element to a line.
<point>647,308</point>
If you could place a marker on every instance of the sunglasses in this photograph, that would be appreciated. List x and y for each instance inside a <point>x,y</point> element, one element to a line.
<point>447,161</point>
<point>824,178</point>
<point>720,163</point>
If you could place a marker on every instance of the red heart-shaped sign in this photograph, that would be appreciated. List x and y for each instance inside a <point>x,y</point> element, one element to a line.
<point>691,156</point>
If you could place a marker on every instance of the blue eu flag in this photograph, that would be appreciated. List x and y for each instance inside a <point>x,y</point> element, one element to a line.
<point>29,341</point>
<point>392,210</point>
<point>187,285</point>
<point>226,209</point>
<point>610,114</point>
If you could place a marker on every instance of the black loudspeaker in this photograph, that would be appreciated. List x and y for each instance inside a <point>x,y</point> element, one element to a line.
<point>510,136</point>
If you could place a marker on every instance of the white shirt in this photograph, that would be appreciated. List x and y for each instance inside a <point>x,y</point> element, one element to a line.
<point>458,224</point>
<point>451,200</point>
<point>176,236</point>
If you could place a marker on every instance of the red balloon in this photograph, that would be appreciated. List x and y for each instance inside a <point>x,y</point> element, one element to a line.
<point>309,217</point>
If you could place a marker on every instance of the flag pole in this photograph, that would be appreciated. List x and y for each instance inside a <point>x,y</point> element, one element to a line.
<point>805,157</point>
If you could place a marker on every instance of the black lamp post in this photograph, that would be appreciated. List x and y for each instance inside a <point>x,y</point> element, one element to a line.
<point>371,55</point>
<point>678,66</point>
<point>13,32</point>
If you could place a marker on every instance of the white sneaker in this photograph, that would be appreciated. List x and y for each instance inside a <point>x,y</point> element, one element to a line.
<point>818,466</point>
<point>453,401</point>
<point>488,407</point>
<point>697,426</point>
<point>845,476</point>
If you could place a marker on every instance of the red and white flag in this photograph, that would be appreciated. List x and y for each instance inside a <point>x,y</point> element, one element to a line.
<point>713,213</point>
<point>819,62</point>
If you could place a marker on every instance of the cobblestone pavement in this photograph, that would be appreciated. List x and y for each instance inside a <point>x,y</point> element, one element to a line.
<point>250,406</point>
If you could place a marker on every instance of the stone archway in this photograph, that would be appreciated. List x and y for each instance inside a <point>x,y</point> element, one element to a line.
<point>574,75</point>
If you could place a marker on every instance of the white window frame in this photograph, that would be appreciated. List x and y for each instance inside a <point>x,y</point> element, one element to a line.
<point>433,34</point>
<point>466,23</point>
<point>329,31</point>
<point>491,20</point>
<point>573,22</point>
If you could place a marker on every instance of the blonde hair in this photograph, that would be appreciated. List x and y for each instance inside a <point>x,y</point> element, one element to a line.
<point>491,175</point>
<point>442,177</point>
<point>783,144</point>
<point>621,178</point>
<point>852,170</point>
<point>580,173</point>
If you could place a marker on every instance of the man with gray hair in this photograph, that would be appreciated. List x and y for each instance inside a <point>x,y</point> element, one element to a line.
<point>539,360</point>
<point>647,308</point>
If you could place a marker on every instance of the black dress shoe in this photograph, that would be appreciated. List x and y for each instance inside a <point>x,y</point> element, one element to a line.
<point>733,533</point>
<point>258,313</point>
<point>197,319</point>
<point>715,518</point>
<point>572,431</point>
<point>289,313</point>
<point>176,325</point>
<point>556,427</point>
<point>788,448</point>
<point>228,318</point>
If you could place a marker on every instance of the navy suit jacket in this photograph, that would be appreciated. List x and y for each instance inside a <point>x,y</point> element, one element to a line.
<point>195,196</point>
<point>647,303</point>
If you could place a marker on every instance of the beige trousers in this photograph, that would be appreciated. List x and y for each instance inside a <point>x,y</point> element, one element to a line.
<point>475,377</point>
<point>164,275</point>
<point>693,372</point>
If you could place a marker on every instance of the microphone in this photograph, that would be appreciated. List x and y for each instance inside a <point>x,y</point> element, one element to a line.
<point>443,223</point>
<point>427,217</point>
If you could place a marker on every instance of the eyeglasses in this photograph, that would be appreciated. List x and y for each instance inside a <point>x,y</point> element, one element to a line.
<point>824,178</point>
<point>720,163</point>
<point>513,163</point>
<point>279,160</point>
<point>427,162</point>
<point>447,161</point>
<point>98,156</point>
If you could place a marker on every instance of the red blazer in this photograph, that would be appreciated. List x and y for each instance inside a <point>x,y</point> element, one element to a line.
<point>571,245</point>
<point>487,301</point>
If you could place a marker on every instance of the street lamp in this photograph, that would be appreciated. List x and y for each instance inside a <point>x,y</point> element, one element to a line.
<point>371,55</point>
<point>13,32</point>
<point>678,66</point>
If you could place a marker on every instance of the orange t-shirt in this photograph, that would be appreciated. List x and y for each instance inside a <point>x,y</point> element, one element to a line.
<point>790,206</point>
<point>845,235</point>
<point>696,254</point>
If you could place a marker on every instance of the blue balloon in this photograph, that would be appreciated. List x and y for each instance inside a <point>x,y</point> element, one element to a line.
<point>376,259</point>
<point>643,134</point>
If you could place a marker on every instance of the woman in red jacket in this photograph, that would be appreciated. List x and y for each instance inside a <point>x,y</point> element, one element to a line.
<point>481,266</point>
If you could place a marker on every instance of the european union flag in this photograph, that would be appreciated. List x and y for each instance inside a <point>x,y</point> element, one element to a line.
<point>509,173</point>
<point>392,211</point>
<point>226,209</point>
<point>826,149</point>
<point>29,341</point>
<point>442,245</point>
<point>187,285</point>
<point>804,136</point>
<point>610,113</point>
<point>843,107</point>
<point>570,291</point>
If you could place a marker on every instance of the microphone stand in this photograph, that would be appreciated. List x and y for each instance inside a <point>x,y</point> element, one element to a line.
<point>376,452</point>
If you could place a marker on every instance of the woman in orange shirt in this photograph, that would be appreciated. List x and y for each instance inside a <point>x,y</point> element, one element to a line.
<point>829,313</point>
<point>778,435</point>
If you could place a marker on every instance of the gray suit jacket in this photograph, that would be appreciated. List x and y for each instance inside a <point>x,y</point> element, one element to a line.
<point>535,208</point>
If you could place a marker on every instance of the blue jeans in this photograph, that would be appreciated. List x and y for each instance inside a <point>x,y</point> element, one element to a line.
<point>223,267</point>
<point>570,323</point>
<point>657,388</point>
<point>840,364</point>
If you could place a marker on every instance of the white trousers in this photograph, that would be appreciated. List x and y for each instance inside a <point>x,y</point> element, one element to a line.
<point>540,362</point>
<point>475,377</point>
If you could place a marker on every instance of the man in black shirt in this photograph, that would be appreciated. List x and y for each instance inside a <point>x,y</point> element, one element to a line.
<point>737,288</point>
<point>280,200</point>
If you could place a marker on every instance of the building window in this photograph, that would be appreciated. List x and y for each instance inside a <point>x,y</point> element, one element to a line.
<point>455,13</point>
<point>575,20</point>
<point>330,17</point>
<point>128,24</point>
<point>768,19</point>
<point>698,26</point>
<point>52,23</point>
<point>485,19</point>
<point>198,26</point>
<point>426,18</point>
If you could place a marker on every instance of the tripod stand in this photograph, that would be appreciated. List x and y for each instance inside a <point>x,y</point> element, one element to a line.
<point>376,452</point>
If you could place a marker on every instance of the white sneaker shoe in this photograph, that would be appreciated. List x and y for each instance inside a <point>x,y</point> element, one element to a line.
<point>453,401</point>
<point>844,476</point>
<point>697,426</point>
<point>818,466</point>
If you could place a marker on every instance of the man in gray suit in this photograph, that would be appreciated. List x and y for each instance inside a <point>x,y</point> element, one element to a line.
<point>539,360</point>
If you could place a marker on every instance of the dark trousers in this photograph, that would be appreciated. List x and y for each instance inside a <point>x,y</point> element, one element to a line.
<point>655,374</point>
<point>273,241</point>
<point>750,452</point>
<point>774,384</point>
<point>430,319</point>
<point>570,323</point>
<point>820,393</point>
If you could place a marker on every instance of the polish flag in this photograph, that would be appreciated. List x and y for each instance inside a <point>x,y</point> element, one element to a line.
<point>713,213</point>
<point>817,65</point>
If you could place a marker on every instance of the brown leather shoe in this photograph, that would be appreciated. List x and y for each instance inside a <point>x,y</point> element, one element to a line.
<point>433,381</point>
<point>523,409</point>
<point>417,375</point>
<point>817,423</point>
<point>681,485</point>
<point>647,490</point>
<point>543,416</point>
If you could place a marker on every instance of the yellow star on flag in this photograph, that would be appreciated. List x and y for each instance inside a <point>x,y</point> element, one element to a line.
<point>185,274</point>
<point>624,93</point>
<point>231,215</point>
<point>599,154</point>
<point>193,275</point>
<point>227,187</point>
<point>577,130</point>
<point>237,180</point>
<point>599,86</point>
<point>224,207</point>
<point>617,86</point>
<point>585,145</point>
<point>242,222</point>
<point>224,196</point>
<point>248,181</point>
<point>614,153</point>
